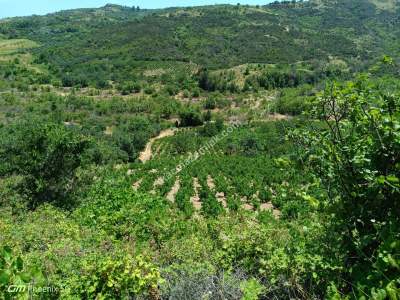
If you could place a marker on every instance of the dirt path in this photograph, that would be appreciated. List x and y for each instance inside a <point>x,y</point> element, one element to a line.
<point>278,117</point>
<point>210,183</point>
<point>196,199</point>
<point>270,207</point>
<point>158,182</point>
<point>171,195</point>
<point>136,185</point>
<point>146,154</point>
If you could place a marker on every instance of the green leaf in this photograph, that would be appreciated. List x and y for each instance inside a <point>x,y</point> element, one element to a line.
<point>26,277</point>
<point>392,179</point>
<point>381,179</point>
<point>379,294</point>
<point>7,253</point>
<point>311,200</point>
<point>38,276</point>
<point>19,264</point>
<point>392,291</point>
<point>4,277</point>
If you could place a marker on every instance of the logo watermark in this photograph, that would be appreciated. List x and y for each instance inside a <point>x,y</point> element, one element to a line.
<point>32,289</point>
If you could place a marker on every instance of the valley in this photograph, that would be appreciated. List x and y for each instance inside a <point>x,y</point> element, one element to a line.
<point>209,152</point>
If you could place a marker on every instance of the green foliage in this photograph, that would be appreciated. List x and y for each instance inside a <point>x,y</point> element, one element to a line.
<point>11,274</point>
<point>131,136</point>
<point>78,81</point>
<point>115,277</point>
<point>357,156</point>
<point>210,206</point>
<point>252,290</point>
<point>256,215</point>
<point>190,118</point>
<point>46,155</point>
<point>129,87</point>
<point>274,79</point>
<point>212,37</point>
<point>216,82</point>
<point>210,104</point>
<point>16,280</point>
<point>212,128</point>
<point>293,101</point>
<point>135,215</point>
<point>207,116</point>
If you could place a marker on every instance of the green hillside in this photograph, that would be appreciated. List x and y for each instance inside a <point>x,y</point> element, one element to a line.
<point>110,41</point>
<point>224,152</point>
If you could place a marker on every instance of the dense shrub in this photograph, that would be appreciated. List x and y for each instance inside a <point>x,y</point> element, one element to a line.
<point>111,277</point>
<point>190,118</point>
<point>357,155</point>
<point>210,103</point>
<point>212,128</point>
<point>131,136</point>
<point>46,155</point>
<point>293,101</point>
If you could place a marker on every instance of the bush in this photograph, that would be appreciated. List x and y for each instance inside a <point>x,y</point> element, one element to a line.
<point>211,129</point>
<point>101,84</point>
<point>71,81</point>
<point>207,116</point>
<point>172,90</point>
<point>149,90</point>
<point>190,118</point>
<point>357,157</point>
<point>129,88</point>
<point>293,101</point>
<point>46,155</point>
<point>208,130</point>
<point>12,274</point>
<point>131,136</point>
<point>116,278</point>
<point>210,104</point>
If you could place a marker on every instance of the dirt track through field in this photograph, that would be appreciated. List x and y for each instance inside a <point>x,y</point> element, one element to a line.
<point>196,199</point>
<point>136,185</point>
<point>147,153</point>
<point>175,189</point>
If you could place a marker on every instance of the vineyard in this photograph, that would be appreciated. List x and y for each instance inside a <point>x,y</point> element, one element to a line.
<point>248,169</point>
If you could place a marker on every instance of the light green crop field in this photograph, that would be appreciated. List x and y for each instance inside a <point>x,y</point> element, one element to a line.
<point>8,47</point>
<point>386,4</point>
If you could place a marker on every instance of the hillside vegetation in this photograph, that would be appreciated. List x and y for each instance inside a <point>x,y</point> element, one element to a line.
<point>213,152</point>
<point>107,43</point>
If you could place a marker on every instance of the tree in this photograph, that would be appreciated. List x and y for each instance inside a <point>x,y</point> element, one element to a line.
<point>190,118</point>
<point>219,124</point>
<point>357,157</point>
<point>131,137</point>
<point>46,155</point>
<point>207,116</point>
<point>205,81</point>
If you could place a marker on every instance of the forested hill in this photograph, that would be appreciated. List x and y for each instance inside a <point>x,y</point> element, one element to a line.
<point>102,40</point>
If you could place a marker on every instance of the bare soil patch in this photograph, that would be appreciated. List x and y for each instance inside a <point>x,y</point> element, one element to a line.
<point>147,153</point>
<point>172,193</point>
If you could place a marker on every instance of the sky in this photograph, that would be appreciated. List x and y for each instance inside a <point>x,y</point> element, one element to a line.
<point>13,8</point>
